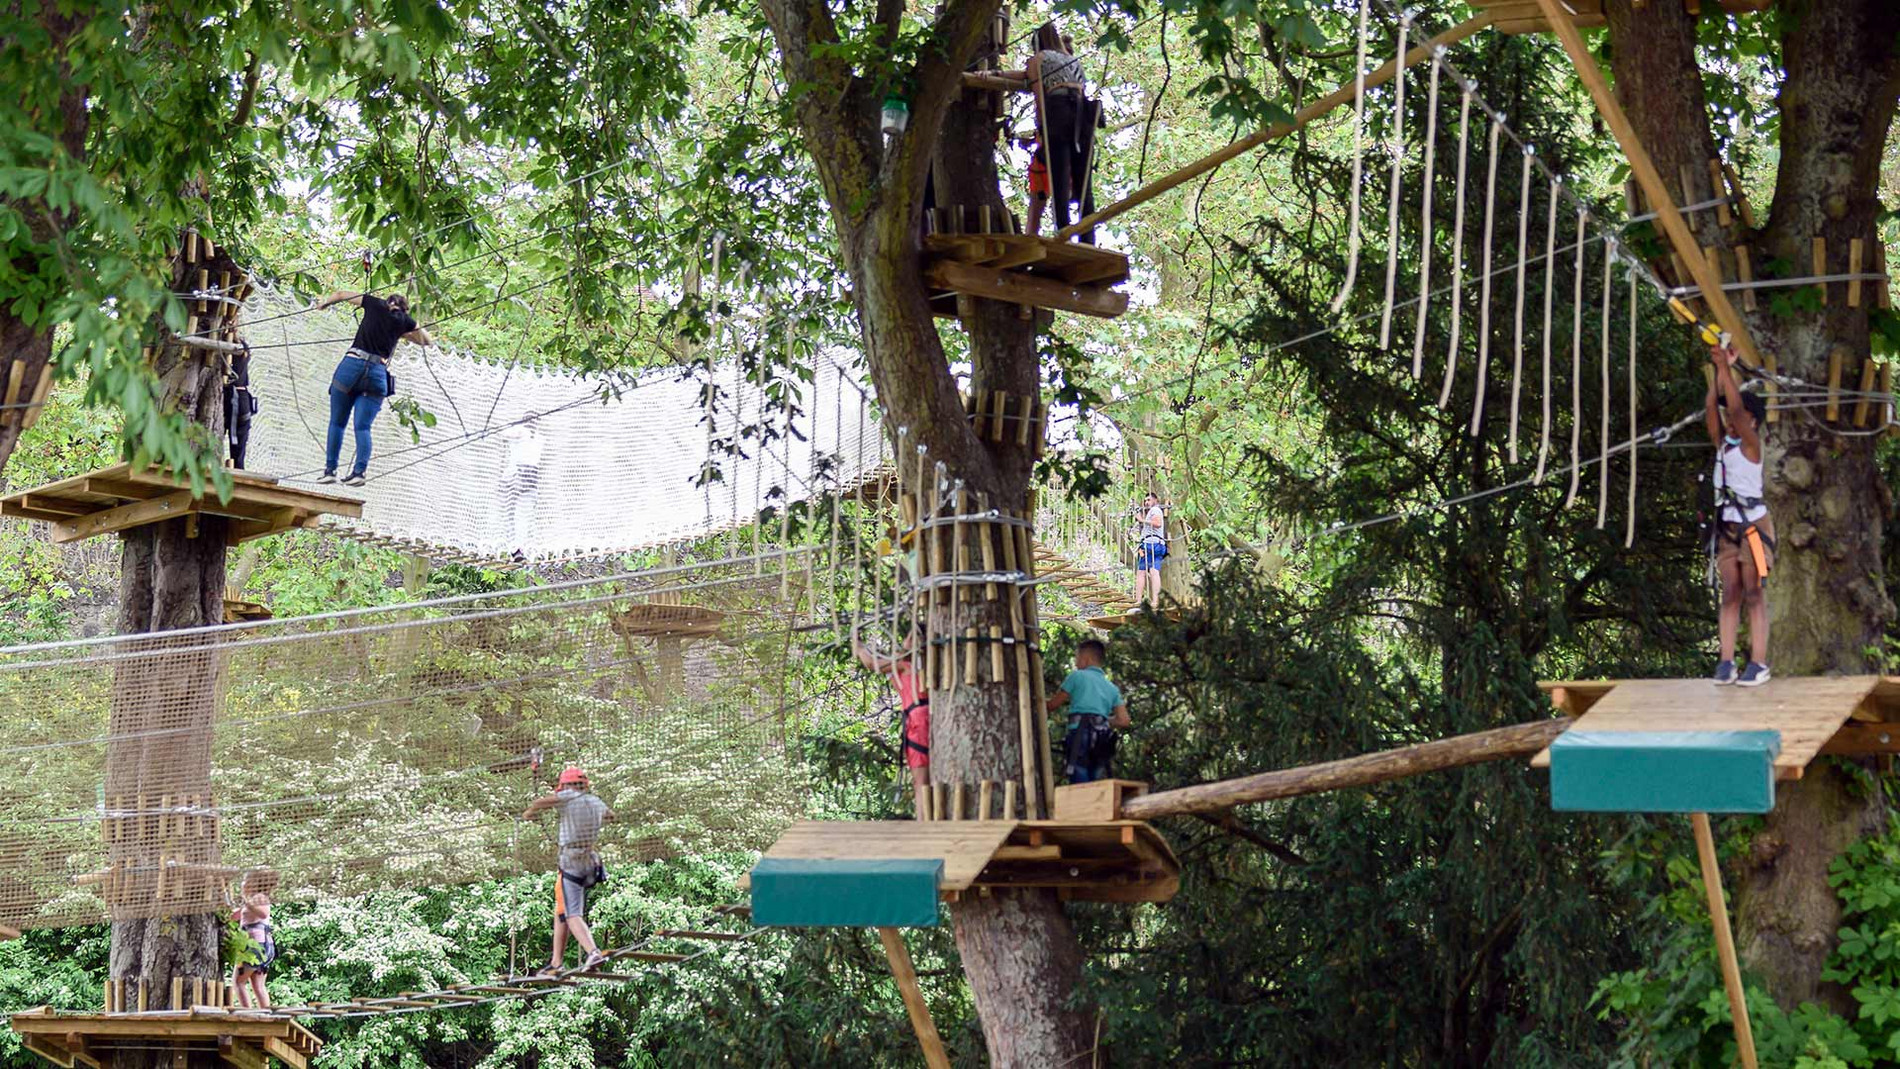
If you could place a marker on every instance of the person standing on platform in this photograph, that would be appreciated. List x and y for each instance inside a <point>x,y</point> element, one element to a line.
<point>1744,532</point>
<point>1063,133</point>
<point>1096,711</point>
<point>362,380</point>
<point>578,868</point>
<point>521,481</point>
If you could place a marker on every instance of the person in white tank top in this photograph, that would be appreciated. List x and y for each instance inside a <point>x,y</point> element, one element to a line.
<point>1745,533</point>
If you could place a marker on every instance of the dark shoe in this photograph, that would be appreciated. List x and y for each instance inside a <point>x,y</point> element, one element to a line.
<point>1724,673</point>
<point>1753,675</point>
<point>354,478</point>
<point>327,478</point>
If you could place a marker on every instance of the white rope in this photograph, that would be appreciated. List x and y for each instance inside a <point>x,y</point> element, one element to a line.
<point>1523,251</point>
<point>1550,266</point>
<point>1457,247</point>
<point>1629,530</point>
<point>1576,367</point>
<point>1358,159</point>
<point>1392,206</point>
<point>1603,399</point>
<point>1484,302</point>
<point>1425,236</point>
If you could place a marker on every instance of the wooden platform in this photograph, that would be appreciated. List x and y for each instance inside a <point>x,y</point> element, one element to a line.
<point>117,499</point>
<point>238,611</point>
<point>243,1041</point>
<point>667,621</point>
<point>1115,620</point>
<point>1524,16</point>
<point>1111,861</point>
<point>1814,714</point>
<point>1037,272</point>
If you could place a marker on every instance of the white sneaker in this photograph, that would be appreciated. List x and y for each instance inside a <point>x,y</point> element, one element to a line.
<point>326,478</point>
<point>354,478</point>
<point>1753,675</point>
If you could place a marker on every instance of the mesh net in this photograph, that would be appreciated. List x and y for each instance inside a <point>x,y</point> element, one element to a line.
<point>546,463</point>
<point>142,776</point>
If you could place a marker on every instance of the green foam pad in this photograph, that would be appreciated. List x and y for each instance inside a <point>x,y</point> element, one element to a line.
<point>1664,771</point>
<point>818,893</point>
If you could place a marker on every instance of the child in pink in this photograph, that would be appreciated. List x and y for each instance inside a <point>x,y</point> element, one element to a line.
<point>253,916</point>
<point>915,702</point>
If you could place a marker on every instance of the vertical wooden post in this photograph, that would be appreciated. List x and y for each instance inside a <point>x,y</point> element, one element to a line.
<point>1835,359</point>
<point>1716,192</point>
<point>1864,402</point>
<point>1647,176</point>
<point>906,974</point>
<point>1745,272</point>
<point>1853,268</point>
<point>1724,939</point>
<point>1820,266</point>
<point>1771,392</point>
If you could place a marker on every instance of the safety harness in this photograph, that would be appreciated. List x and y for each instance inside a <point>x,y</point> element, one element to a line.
<point>1747,534</point>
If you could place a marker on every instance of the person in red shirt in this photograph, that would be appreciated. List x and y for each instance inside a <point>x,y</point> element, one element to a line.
<point>914,699</point>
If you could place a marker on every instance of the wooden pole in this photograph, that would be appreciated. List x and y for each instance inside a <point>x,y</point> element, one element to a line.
<point>1654,188</point>
<point>906,975</point>
<point>1343,95</point>
<point>1497,744</point>
<point>1724,939</point>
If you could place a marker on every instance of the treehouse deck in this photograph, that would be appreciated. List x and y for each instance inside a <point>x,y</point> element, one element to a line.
<point>1114,620</point>
<point>238,611</point>
<point>1020,269</point>
<point>1092,861</point>
<point>1813,715</point>
<point>647,620</point>
<point>118,499</point>
<point>242,1041</point>
<point>1525,16</point>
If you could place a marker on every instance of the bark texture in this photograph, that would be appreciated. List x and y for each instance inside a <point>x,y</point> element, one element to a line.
<point>1019,951</point>
<point>172,576</point>
<point>1826,602</point>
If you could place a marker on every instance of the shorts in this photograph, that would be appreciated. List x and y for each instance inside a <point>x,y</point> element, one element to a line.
<point>1732,545</point>
<point>1038,174</point>
<point>1088,750</point>
<point>1149,555</point>
<point>570,897</point>
<point>266,950</point>
<point>917,737</point>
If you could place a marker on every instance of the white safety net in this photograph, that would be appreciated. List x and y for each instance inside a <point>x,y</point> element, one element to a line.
<point>537,464</point>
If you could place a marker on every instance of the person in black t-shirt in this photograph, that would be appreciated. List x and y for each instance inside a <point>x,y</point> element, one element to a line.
<point>361,380</point>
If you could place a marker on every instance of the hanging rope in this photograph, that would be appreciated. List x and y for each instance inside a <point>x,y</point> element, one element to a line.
<point>1457,246</point>
<point>1603,400</point>
<point>1576,368</point>
<point>1629,530</point>
<point>1392,205</point>
<point>1358,159</point>
<point>1484,302</point>
<point>1550,267</point>
<point>1517,332</point>
<point>1425,229</point>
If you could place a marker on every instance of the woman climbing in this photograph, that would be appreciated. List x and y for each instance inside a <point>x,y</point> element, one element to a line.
<point>362,378</point>
<point>914,701</point>
<point>1151,548</point>
<point>252,916</point>
<point>1744,532</point>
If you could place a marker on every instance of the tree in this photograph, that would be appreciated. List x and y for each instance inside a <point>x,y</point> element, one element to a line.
<point>1019,950</point>
<point>1839,77</point>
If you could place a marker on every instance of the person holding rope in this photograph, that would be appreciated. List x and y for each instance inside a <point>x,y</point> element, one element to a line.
<point>1743,532</point>
<point>362,380</point>
<point>577,868</point>
<point>1151,548</point>
<point>914,704</point>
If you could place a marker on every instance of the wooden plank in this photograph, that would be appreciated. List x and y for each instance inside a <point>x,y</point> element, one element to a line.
<point>1740,196</point>
<point>1869,372</point>
<point>1724,939</point>
<point>136,514</point>
<point>1017,288</point>
<point>906,974</point>
<point>965,847</point>
<point>1820,267</point>
<point>16,373</point>
<point>1836,358</point>
<point>1722,214</point>
<point>285,1052</point>
<point>1806,710</point>
<point>1860,740</point>
<point>1853,268</point>
<point>1644,168</point>
<point>1323,106</point>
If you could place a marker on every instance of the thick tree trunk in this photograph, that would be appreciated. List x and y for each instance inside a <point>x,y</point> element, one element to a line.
<point>1826,602</point>
<point>164,708</point>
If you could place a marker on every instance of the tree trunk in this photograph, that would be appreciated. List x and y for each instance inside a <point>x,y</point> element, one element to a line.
<point>1827,605</point>
<point>164,707</point>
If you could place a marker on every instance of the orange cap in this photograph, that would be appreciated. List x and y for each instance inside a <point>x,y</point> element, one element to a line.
<point>572,774</point>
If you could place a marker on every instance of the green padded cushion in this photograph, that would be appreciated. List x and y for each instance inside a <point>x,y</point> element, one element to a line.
<point>1664,771</point>
<point>813,893</point>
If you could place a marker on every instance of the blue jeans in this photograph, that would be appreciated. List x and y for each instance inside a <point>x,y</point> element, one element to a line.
<point>358,387</point>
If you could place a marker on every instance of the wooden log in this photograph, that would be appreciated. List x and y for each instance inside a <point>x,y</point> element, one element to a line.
<point>1740,196</point>
<point>1886,397</point>
<point>1836,358</point>
<point>1724,939</point>
<point>1015,288</point>
<point>1864,403</point>
<point>1323,106</point>
<point>1771,391</point>
<point>1745,272</point>
<point>906,975</point>
<point>1644,168</point>
<point>1820,266</point>
<point>1853,268</point>
<point>1722,214</point>
<point>1009,799</point>
<point>985,794</point>
<point>1498,744</point>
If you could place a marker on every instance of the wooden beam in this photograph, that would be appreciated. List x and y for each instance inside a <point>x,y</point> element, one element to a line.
<point>1456,752</point>
<point>1654,189</point>
<point>1724,939</point>
<point>136,514</point>
<point>1324,105</point>
<point>1016,288</point>
<point>914,1004</point>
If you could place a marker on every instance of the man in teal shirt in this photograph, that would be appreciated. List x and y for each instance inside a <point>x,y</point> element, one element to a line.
<point>1096,710</point>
